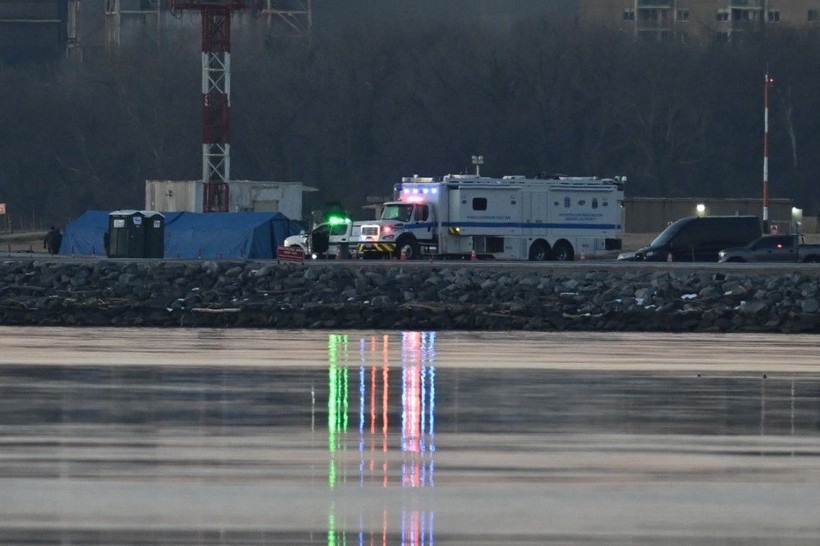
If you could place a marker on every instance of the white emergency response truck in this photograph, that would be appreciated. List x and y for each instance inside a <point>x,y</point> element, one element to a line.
<point>512,218</point>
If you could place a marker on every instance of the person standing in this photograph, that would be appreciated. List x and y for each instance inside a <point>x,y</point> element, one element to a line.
<point>107,243</point>
<point>47,241</point>
<point>56,241</point>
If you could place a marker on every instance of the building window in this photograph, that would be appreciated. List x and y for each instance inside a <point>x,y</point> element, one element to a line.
<point>683,15</point>
<point>814,15</point>
<point>629,15</point>
<point>722,15</point>
<point>647,15</point>
<point>744,15</point>
<point>774,16</point>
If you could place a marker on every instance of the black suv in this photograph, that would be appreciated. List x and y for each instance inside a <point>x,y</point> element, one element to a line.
<point>698,239</point>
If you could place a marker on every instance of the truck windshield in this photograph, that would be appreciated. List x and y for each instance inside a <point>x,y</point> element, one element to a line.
<point>338,229</point>
<point>397,211</point>
<point>668,233</point>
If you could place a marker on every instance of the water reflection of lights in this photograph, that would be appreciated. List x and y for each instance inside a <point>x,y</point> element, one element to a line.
<point>376,446</point>
<point>418,395</point>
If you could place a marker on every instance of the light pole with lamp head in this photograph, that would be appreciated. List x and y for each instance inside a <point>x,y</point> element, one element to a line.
<point>478,161</point>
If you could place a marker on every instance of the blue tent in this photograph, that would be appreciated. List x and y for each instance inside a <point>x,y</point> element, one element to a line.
<point>84,236</point>
<point>191,235</point>
<point>227,234</point>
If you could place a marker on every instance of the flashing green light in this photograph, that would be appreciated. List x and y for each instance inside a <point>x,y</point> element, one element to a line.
<point>336,220</point>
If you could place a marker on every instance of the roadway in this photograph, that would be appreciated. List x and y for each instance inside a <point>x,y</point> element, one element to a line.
<point>579,265</point>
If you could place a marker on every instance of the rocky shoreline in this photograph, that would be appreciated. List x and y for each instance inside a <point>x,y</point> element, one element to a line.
<point>395,296</point>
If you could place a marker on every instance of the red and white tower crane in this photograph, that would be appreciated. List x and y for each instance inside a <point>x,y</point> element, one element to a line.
<point>216,96</point>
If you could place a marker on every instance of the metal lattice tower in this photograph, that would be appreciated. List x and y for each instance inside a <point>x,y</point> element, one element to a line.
<point>117,10</point>
<point>292,18</point>
<point>216,97</point>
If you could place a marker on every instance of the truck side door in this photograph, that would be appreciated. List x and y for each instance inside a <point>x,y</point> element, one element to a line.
<point>320,239</point>
<point>422,222</point>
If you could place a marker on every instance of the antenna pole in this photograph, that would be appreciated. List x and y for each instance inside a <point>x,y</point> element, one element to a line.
<point>768,81</point>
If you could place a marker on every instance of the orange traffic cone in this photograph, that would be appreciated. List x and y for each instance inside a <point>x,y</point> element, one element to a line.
<point>473,257</point>
<point>583,255</point>
<point>403,255</point>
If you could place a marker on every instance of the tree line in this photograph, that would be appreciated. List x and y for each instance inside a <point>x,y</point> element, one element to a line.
<point>350,112</point>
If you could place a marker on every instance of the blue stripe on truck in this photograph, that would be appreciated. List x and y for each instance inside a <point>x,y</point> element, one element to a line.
<point>521,225</point>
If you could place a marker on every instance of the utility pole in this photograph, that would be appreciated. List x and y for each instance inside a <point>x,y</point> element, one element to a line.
<point>768,81</point>
<point>216,97</point>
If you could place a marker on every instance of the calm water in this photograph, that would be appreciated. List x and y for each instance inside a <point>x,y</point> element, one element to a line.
<point>142,436</point>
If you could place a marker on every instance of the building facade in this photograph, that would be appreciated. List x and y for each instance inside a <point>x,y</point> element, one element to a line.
<point>653,214</point>
<point>245,196</point>
<point>699,20</point>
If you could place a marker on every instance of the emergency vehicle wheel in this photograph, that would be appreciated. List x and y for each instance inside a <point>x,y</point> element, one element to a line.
<point>409,246</point>
<point>562,252</point>
<point>539,252</point>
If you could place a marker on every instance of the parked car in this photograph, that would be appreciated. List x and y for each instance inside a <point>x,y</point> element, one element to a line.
<point>698,239</point>
<point>325,240</point>
<point>773,248</point>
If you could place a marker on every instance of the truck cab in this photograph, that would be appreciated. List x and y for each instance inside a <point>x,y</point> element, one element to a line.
<point>773,249</point>
<point>405,227</point>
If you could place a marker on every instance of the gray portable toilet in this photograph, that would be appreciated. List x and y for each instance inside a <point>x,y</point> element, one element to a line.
<point>154,234</point>
<point>126,234</point>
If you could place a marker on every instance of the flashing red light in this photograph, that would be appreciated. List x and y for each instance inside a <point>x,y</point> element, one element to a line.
<point>387,230</point>
<point>414,199</point>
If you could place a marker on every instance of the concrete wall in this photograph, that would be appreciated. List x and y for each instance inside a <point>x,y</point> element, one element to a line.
<point>652,215</point>
<point>173,195</point>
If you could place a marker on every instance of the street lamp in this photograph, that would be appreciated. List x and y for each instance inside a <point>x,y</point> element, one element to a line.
<point>797,219</point>
<point>478,161</point>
